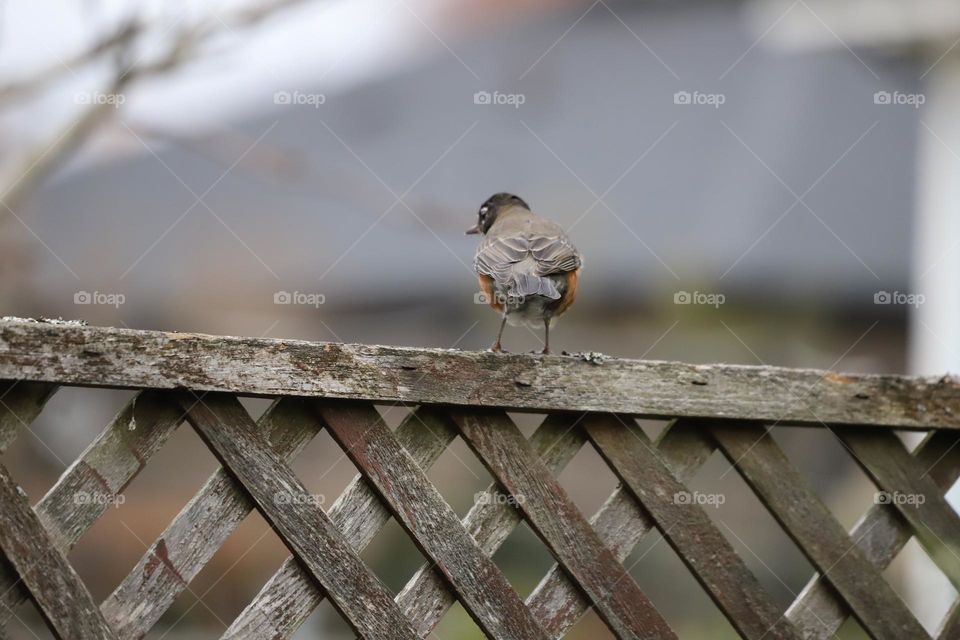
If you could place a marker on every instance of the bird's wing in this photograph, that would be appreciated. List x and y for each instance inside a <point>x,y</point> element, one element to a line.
<point>551,252</point>
<point>496,255</point>
<point>554,253</point>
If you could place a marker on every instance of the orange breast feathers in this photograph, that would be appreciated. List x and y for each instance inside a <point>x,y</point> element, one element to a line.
<point>570,294</point>
<point>486,287</point>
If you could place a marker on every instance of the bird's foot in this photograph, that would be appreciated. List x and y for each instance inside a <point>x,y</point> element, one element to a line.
<point>496,348</point>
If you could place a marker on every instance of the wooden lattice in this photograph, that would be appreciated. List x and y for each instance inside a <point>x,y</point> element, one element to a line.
<point>589,402</point>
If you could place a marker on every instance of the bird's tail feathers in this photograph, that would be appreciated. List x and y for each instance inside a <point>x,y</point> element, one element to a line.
<point>527,284</point>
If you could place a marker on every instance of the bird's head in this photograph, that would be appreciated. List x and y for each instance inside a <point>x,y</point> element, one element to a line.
<point>490,209</point>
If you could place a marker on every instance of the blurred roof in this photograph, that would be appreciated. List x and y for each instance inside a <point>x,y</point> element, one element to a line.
<point>797,186</point>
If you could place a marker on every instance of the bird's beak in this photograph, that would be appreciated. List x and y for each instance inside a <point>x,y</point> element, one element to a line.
<point>473,230</point>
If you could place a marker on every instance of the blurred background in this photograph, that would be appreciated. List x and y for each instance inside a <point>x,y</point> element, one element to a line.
<point>758,181</point>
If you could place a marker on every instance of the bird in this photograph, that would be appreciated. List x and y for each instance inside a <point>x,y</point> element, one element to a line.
<point>527,266</point>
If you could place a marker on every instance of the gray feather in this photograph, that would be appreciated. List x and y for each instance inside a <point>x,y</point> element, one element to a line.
<point>521,251</point>
<point>525,284</point>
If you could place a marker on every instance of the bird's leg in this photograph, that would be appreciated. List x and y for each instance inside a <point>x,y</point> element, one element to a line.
<point>496,348</point>
<point>546,336</point>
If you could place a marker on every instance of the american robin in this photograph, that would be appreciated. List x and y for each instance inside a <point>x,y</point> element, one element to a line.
<point>528,267</point>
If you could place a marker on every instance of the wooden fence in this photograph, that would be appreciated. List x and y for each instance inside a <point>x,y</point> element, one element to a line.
<point>590,401</point>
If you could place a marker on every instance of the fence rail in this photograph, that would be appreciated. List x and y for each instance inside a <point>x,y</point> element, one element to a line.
<point>589,401</point>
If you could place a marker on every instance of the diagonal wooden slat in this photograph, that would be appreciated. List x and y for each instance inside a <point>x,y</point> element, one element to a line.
<point>881,533</point>
<point>912,492</point>
<point>507,455</point>
<point>20,403</point>
<point>788,497</point>
<point>103,470</point>
<point>232,435</point>
<point>433,526</point>
<point>200,529</point>
<point>427,596</point>
<point>687,529</point>
<point>60,595</point>
<point>291,595</point>
<point>858,405</point>
<point>620,523</point>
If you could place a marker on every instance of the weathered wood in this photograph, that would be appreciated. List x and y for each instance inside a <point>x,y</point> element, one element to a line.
<point>621,524</point>
<point>200,529</point>
<point>426,596</point>
<point>685,526</point>
<point>290,596</point>
<point>803,516</point>
<point>60,595</point>
<point>20,403</point>
<point>282,499</point>
<point>881,534</point>
<point>90,485</point>
<point>151,359</point>
<point>905,484</point>
<point>165,361</point>
<point>507,455</point>
<point>431,523</point>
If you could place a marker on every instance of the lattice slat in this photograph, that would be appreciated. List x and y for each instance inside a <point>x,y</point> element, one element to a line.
<point>233,437</point>
<point>466,395</point>
<point>620,523</point>
<point>880,534</point>
<point>85,490</point>
<point>20,403</point>
<point>688,529</point>
<point>809,523</point>
<point>57,590</point>
<point>431,522</point>
<point>291,595</point>
<point>935,524</point>
<point>491,520</point>
<point>199,530</point>
<point>509,458</point>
